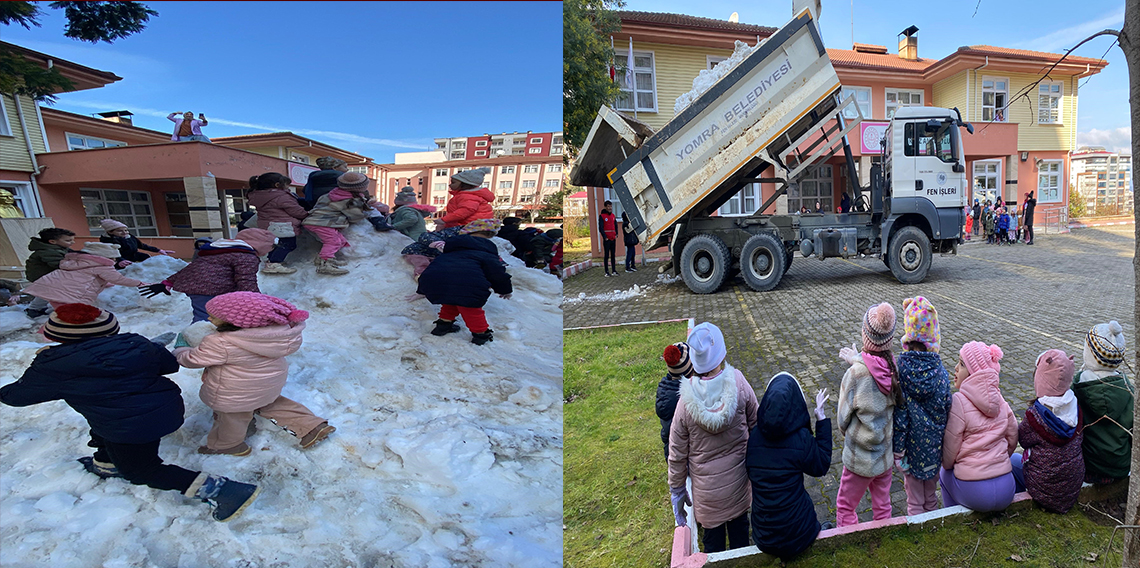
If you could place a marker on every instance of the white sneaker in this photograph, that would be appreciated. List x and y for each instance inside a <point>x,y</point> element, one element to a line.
<point>277,268</point>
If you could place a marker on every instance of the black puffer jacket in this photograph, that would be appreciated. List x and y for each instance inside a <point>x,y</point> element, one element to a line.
<point>115,382</point>
<point>465,273</point>
<point>129,247</point>
<point>668,391</point>
<point>781,449</point>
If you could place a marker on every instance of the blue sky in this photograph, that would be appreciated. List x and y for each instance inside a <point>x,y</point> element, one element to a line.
<point>370,77</point>
<point>1045,25</point>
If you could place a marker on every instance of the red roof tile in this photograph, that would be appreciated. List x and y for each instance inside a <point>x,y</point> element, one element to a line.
<point>693,22</point>
<point>890,61</point>
<point>1026,54</point>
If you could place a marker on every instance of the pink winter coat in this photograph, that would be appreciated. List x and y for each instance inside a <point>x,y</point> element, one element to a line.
<point>79,279</point>
<point>710,446</point>
<point>277,206</point>
<point>245,369</point>
<point>981,432</point>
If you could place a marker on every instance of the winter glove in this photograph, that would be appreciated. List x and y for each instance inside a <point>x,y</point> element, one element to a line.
<point>680,498</point>
<point>438,245</point>
<point>180,342</point>
<point>505,296</point>
<point>850,355</point>
<point>166,252</point>
<point>123,264</point>
<point>821,398</point>
<point>154,290</point>
<point>380,223</point>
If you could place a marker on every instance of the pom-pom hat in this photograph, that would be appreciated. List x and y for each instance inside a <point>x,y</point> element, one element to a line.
<point>677,359</point>
<point>706,347</point>
<point>920,323</point>
<point>977,356</point>
<point>1106,342</point>
<point>406,196</point>
<point>250,309</point>
<point>878,327</point>
<point>76,322</point>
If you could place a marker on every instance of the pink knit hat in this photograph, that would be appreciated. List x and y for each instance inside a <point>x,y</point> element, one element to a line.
<point>977,356</point>
<point>878,327</point>
<point>1054,373</point>
<point>261,240</point>
<point>111,224</point>
<point>250,309</point>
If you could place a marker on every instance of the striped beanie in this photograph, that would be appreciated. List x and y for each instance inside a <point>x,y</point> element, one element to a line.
<point>1106,342</point>
<point>878,327</point>
<point>677,359</point>
<point>76,322</point>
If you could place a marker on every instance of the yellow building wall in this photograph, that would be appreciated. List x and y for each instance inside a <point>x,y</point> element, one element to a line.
<point>951,93</point>
<point>675,68</point>
<point>1031,136</point>
<point>14,149</point>
<point>271,151</point>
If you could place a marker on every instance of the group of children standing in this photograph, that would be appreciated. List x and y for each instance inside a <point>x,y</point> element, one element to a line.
<point>895,412</point>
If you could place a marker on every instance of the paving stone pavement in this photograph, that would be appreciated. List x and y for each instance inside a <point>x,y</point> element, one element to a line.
<point>1026,299</point>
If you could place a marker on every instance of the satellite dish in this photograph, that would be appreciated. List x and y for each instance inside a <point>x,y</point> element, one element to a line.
<point>734,18</point>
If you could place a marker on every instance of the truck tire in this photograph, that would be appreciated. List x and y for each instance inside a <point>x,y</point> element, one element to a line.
<point>762,262</point>
<point>909,255</point>
<point>705,263</point>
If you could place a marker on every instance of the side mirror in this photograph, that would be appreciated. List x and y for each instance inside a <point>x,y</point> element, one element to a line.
<point>958,168</point>
<point>969,128</point>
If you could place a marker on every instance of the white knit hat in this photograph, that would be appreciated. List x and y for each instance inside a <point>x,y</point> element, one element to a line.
<point>105,250</point>
<point>472,177</point>
<point>707,347</point>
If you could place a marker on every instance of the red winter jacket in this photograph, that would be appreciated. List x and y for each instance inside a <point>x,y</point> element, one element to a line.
<point>607,224</point>
<point>467,206</point>
<point>218,271</point>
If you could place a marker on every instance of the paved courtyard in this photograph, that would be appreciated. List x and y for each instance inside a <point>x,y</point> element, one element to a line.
<point>1025,299</point>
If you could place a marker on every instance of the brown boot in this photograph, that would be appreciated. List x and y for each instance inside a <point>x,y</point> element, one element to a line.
<point>239,450</point>
<point>277,268</point>
<point>326,266</point>
<point>316,435</point>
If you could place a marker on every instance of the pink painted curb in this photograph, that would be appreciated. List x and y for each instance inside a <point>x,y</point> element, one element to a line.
<point>682,556</point>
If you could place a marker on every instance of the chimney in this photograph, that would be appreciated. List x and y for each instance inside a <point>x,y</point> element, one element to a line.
<point>908,44</point>
<point>119,116</point>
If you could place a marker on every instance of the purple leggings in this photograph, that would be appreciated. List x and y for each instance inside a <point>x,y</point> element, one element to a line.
<point>994,494</point>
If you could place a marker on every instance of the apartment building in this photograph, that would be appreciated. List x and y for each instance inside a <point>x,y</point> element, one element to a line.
<point>542,144</point>
<point>1103,179</point>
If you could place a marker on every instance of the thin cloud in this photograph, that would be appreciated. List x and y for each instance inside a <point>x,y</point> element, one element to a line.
<point>328,134</point>
<point>1113,139</point>
<point>1066,38</point>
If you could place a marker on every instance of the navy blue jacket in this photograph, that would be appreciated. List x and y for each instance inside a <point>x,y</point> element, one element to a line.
<point>781,449</point>
<point>129,247</point>
<point>668,391</point>
<point>115,382</point>
<point>465,273</point>
<point>319,183</point>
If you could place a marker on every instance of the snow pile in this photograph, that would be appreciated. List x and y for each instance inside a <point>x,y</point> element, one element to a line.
<point>708,77</point>
<point>615,296</point>
<point>446,453</point>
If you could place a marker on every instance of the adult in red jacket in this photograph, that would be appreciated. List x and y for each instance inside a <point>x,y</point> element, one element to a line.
<point>607,226</point>
<point>468,202</point>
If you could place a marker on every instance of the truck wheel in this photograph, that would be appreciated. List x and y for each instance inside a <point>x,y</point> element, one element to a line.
<point>788,260</point>
<point>910,255</point>
<point>763,261</point>
<point>705,263</point>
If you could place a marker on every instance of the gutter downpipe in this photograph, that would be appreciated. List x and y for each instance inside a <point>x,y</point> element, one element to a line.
<point>31,152</point>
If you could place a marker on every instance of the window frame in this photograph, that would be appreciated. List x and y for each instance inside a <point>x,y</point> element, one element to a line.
<point>26,199</point>
<point>458,154</point>
<point>910,93</point>
<point>553,168</point>
<point>5,127</point>
<point>136,228</point>
<point>1041,198</point>
<point>536,140</point>
<point>869,111</point>
<point>552,182</point>
<point>294,157</point>
<point>530,169</point>
<point>620,78</point>
<point>813,175</point>
<point>67,136</point>
<point>1060,101</point>
<point>480,153</point>
<point>480,143</point>
<point>510,184</point>
<point>506,170</point>
<point>1005,108</point>
<point>534,150</point>
<point>712,60</point>
<point>444,174</point>
<point>528,184</point>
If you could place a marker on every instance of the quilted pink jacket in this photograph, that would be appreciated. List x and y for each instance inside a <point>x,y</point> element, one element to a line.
<point>981,432</point>
<point>245,369</point>
<point>79,279</point>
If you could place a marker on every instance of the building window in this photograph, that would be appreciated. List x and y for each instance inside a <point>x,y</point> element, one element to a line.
<point>480,143</point>
<point>556,140</point>
<point>502,199</point>
<point>1049,102</point>
<point>518,152</point>
<point>480,152</point>
<point>553,168</point>
<point>536,140</point>
<point>897,98</point>
<point>363,170</point>
<point>506,184</point>
<point>526,198</point>
<point>5,128</point>
<point>439,187</point>
<point>862,100</point>
<point>459,145</point>
<point>530,169</point>
<point>80,142</point>
<point>922,139</point>
<point>441,172</point>
<point>507,170</point>
<point>437,200</point>
<point>816,184</point>
<point>457,155</point>
<point>529,183</point>
<point>495,143</point>
<point>552,183</point>
<point>441,145</point>
<point>643,91</point>
<point>25,200</point>
<point>995,94</point>
<point>556,150</point>
<point>743,203</point>
<point>519,142</point>
<point>712,61</point>
<point>987,180</point>
<point>535,150</point>
<point>299,158</point>
<point>132,208</point>
<point>1049,181</point>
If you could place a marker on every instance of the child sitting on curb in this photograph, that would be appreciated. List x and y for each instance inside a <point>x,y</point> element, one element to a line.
<point>1051,468</point>
<point>1106,398</point>
<point>708,441</point>
<point>920,418</point>
<point>116,381</point>
<point>81,276</point>
<point>866,418</point>
<point>781,449</point>
<point>462,278</point>
<point>669,389</point>
<point>245,370</point>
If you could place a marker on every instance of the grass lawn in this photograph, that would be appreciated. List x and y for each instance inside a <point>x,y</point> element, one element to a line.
<point>576,251</point>
<point>616,501</point>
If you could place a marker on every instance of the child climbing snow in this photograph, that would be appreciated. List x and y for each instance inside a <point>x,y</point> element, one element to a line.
<point>708,440</point>
<point>1051,467</point>
<point>981,435</point>
<point>333,212</point>
<point>408,216</point>
<point>920,417</point>
<point>781,449</point>
<point>117,233</point>
<point>278,212</point>
<point>48,250</point>
<point>1106,397</point>
<point>116,381</point>
<point>866,418</point>
<point>469,201</point>
<point>669,389</point>
<point>462,278</point>
<point>245,370</point>
<point>81,276</point>
<point>223,266</point>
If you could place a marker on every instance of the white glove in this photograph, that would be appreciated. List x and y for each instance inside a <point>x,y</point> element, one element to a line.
<point>850,354</point>
<point>821,398</point>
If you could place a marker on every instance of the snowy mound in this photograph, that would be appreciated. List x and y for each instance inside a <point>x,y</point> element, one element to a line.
<point>445,453</point>
<point>708,77</point>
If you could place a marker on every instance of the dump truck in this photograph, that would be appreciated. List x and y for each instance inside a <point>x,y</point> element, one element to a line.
<point>780,108</point>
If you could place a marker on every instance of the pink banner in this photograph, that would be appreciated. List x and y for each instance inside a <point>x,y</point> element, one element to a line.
<point>870,133</point>
<point>299,173</point>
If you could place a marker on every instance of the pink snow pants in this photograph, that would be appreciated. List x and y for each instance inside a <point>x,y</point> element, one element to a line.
<point>851,490</point>
<point>331,240</point>
<point>920,495</point>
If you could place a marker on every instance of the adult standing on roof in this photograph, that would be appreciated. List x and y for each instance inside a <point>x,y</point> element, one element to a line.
<point>322,181</point>
<point>1027,219</point>
<point>187,128</point>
